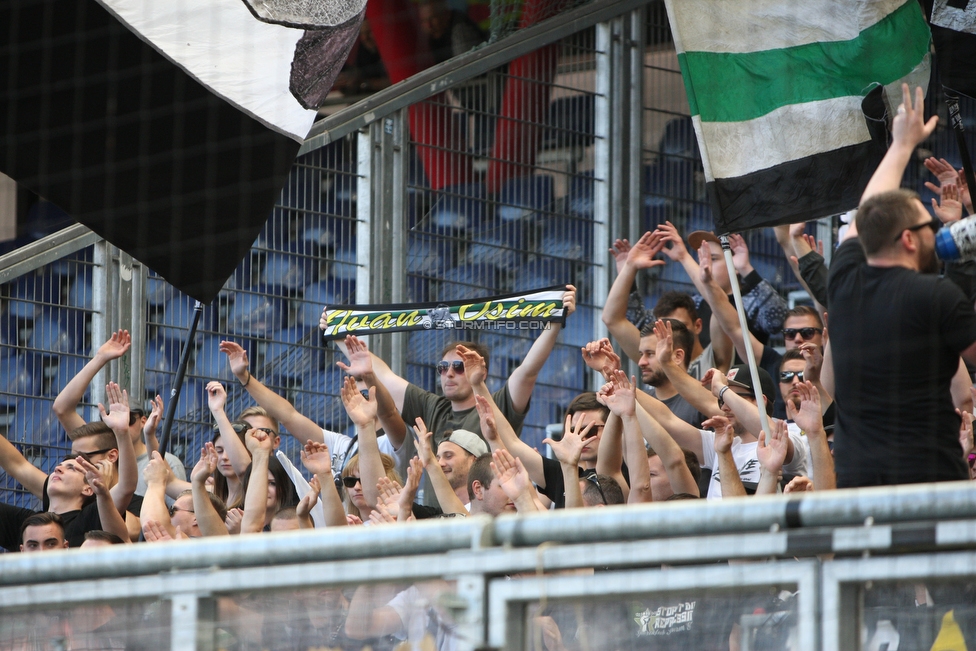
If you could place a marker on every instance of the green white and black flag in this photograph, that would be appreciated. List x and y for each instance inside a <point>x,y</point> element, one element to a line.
<point>776,89</point>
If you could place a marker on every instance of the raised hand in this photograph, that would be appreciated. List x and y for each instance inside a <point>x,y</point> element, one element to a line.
<point>155,532</point>
<point>237,358</point>
<point>619,395</point>
<point>799,484</point>
<point>117,417</point>
<point>152,422</point>
<point>409,493</point>
<point>705,263</point>
<point>668,234</point>
<point>206,466</point>
<point>641,255</point>
<point>216,396</point>
<point>487,417</point>
<point>772,449</point>
<point>946,173</point>
<point>665,341</point>
<point>510,474</point>
<point>809,417</point>
<point>740,254</point>
<point>157,471</point>
<point>714,380</point>
<point>353,520</point>
<point>117,345</point>
<point>424,449</point>
<point>600,356</point>
<point>813,359</point>
<point>569,448</point>
<point>381,515</point>
<point>909,127</point>
<point>360,361</point>
<point>619,251</point>
<point>304,508</point>
<point>475,369</point>
<point>949,209</point>
<point>389,494</point>
<point>258,441</point>
<point>316,458</point>
<point>724,433</point>
<point>569,300</point>
<point>98,475</point>
<point>966,433</point>
<point>361,411</point>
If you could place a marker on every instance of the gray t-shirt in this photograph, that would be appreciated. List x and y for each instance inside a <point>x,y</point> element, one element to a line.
<point>681,408</point>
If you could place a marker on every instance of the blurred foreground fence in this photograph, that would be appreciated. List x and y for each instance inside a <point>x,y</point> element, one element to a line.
<point>853,570</point>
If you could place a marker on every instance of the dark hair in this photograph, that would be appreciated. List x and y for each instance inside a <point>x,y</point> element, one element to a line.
<point>682,496</point>
<point>221,489</point>
<point>104,536</point>
<point>135,414</point>
<point>215,501</point>
<point>481,349</point>
<point>286,513</point>
<point>682,338</point>
<point>602,489</point>
<point>284,490</point>
<point>691,460</point>
<point>789,356</point>
<point>882,218</point>
<point>671,301</point>
<point>586,401</point>
<point>41,519</point>
<point>480,472</point>
<point>102,433</point>
<point>805,310</point>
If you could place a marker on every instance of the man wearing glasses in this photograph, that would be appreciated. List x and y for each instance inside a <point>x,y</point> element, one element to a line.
<point>896,331</point>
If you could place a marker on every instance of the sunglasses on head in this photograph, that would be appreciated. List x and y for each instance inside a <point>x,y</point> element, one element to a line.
<point>457,366</point>
<point>593,479</point>
<point>350,482</point>
<point>787,376</point>
<point>806,333</point>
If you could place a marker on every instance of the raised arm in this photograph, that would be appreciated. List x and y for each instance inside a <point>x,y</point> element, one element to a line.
<point>640,256</point>
<point>690,389</point>
<point>395,384</point>
<point>729,477</point>
<point>99,477</point>
<point>523,378</point>
<point>152,422</point>
<point>259,444</point>
<point>514,481</point>
<point>208,520</point>
<point>66,404</point>
<point>117,418</point>
<point>619,396</point>
<point>237,452</point>
<point>298,425</point>
<point>446,497</point>
<point>361,367</point>
<point>771,453</point>
<point>158,475</point>
<point>475,371</point>
<point>568,450</point>
<point>17,466</point>
<point>809,418</point>
<point>722,309</point>
<point>362,412</point>
<point>318,461</point>
<point>685,435</point>
<point>670,453</point>
<point>610,454</point>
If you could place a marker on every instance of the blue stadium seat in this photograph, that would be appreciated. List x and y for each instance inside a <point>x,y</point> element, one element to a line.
<point>428,254</point>
<point>669,179</point>
<point>579,198</point>
<point>318,398</point>
<point>19,378</point>
<point>256,314</point>
<point>467,281</point>
<point>36,422</point>
<point>564,368</point>
<point>578,330</point>
<point>344,265</point>
<point>499,244</point>
<point>457,208</point>
<point>80,293</point>
<point>74,264</point>
<point>162,360</point>
<point>209,362</point>
<point>158,291</point>
<point>570,122</point>
<point>679,139</point>
<point>323,293</point>
<point>178,316</point>
<point>45,218</point>
<point>286,359</point>
<point>544,272</point>
<point>525,197</point>
<point>286,273</point>
<point>27,292</point>
<point>567,238</point>
<point>68,367</point>
<point>50,337</point>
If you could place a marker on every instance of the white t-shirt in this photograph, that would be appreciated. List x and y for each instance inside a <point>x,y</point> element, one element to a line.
<point>746,461</point>
<point>343,449</point>
<point>420,620</point>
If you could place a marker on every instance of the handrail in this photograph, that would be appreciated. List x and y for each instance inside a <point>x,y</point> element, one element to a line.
<point>45,250</point>
<point>461,68</point>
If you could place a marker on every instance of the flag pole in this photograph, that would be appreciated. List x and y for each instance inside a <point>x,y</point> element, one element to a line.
<point>744,324</point>
<point>955,119</point>
<point>174,394</point>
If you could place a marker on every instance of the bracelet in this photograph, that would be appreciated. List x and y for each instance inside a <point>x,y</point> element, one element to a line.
<point>249,380</point>
<point>720,393</point>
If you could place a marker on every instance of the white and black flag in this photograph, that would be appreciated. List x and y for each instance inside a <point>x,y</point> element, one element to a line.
<point>168,128</point>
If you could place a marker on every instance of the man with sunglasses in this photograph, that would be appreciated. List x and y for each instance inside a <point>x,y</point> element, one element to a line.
<point>897,331</point>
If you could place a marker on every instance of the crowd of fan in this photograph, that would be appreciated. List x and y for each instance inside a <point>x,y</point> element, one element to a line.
<point>692,431</point>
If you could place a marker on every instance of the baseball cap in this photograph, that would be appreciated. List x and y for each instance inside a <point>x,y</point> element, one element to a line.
<point>468,441</point>
<point>696,238</point>
<point>739,376</point>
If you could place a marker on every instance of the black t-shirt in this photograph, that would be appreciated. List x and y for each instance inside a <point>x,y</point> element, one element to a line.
<point>896,337</point>
<point>76,524</point>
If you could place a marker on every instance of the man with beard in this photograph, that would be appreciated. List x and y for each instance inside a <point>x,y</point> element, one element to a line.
<point>896,331</point>
<point>653,374</point>
<point>455,455</point>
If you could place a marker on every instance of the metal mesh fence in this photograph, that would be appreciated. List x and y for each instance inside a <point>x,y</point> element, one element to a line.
<point>45,336</point>
<point>505,204</point>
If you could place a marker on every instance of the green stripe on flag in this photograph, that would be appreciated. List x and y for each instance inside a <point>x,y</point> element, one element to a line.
<point>725,87</point>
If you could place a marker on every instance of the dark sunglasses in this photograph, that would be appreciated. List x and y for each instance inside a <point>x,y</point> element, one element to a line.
<point>174,509</point>
<point>87,456</point>
<point>457,366</point>
<point>806,333</point>
<point>350,482</point>
<point>787,376</point>
<point>239,427</point>
<point>934,224</point>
